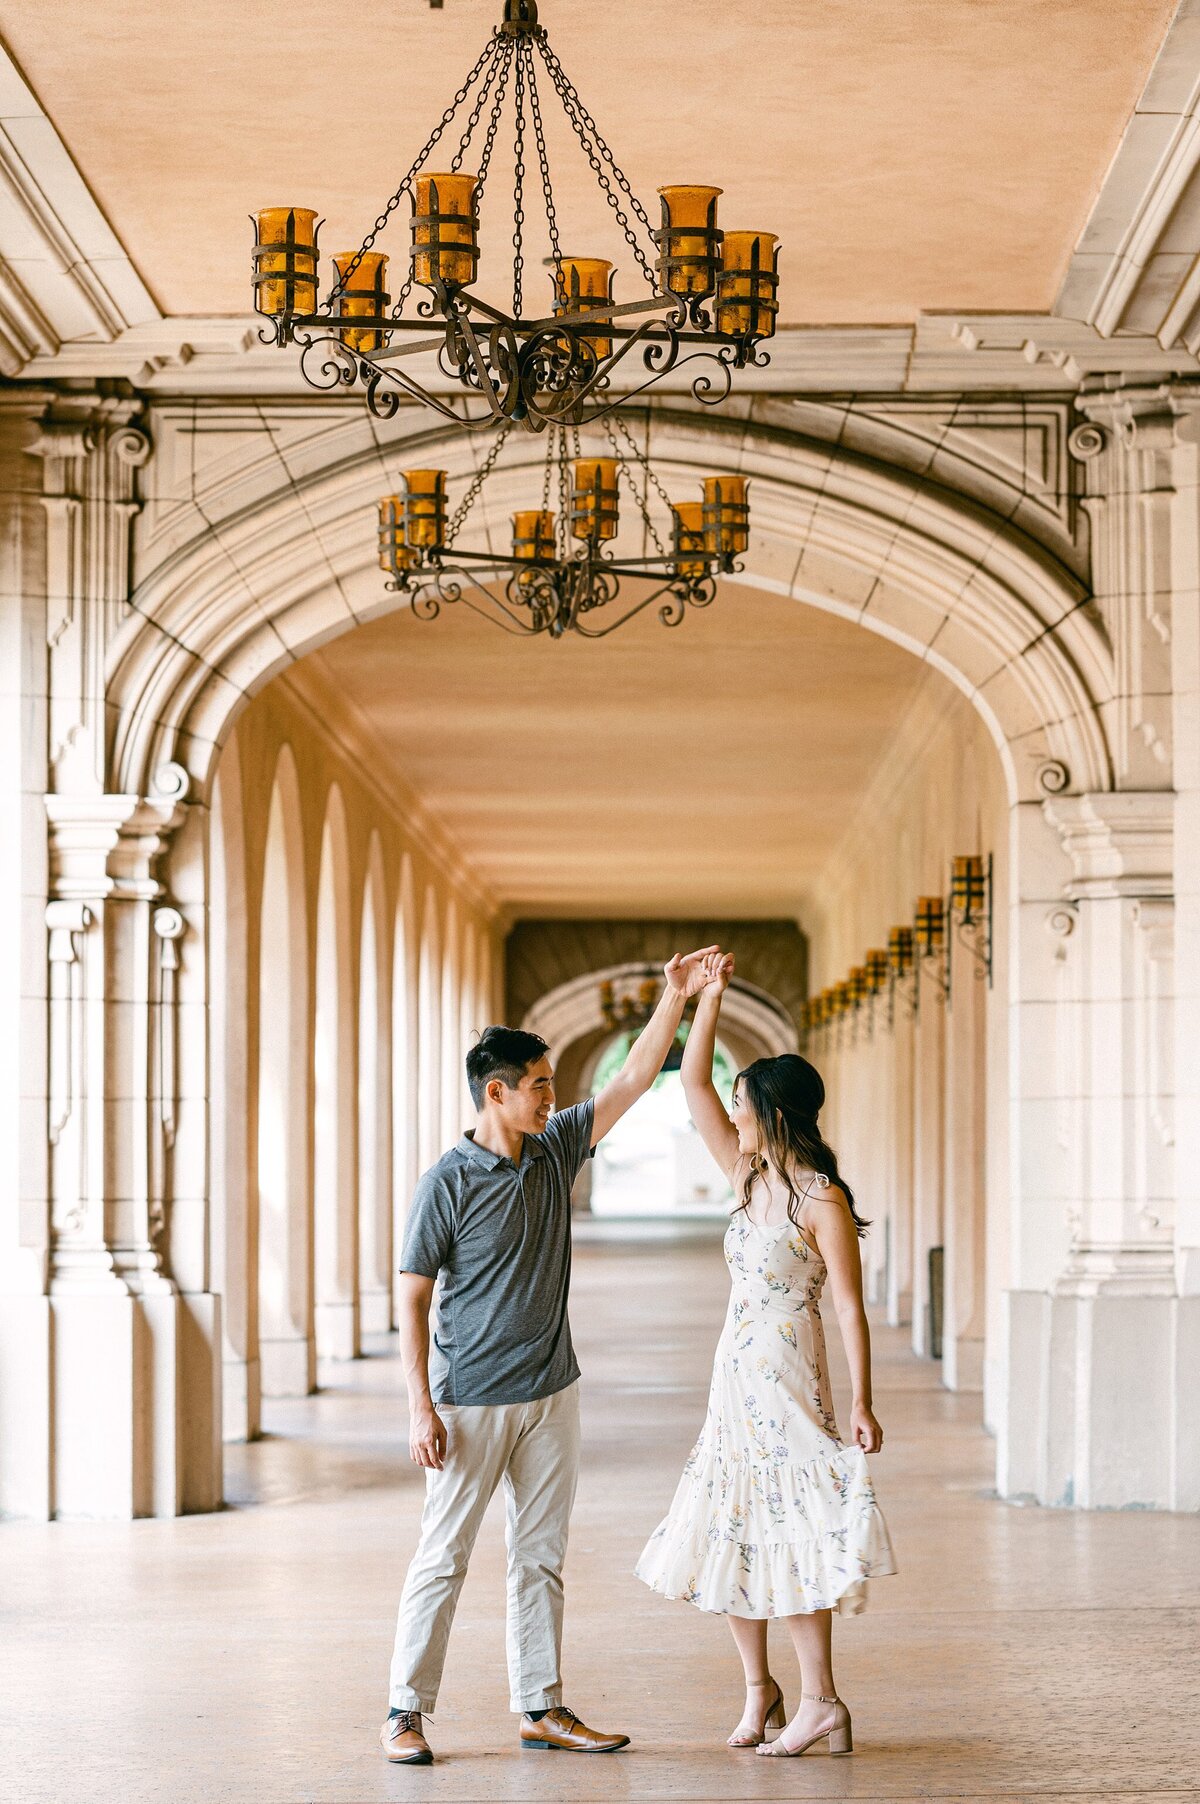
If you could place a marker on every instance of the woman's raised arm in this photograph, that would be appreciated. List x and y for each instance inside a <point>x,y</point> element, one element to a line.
<point>707,1110</point>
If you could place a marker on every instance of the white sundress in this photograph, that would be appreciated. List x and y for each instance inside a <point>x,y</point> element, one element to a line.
<point>774,1515</point>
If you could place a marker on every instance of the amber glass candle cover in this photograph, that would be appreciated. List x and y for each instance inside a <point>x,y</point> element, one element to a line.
<point>394,554</point>
<point>585,522</point>
<point>425,513</point>
<point>689,537</point>
<point>441,260</point>
<point>727,494</point>
<point>533,533</point>
<point>586,283</point>
<point>686,210</point>
<point>362,296</point>
<point>740,286</point>
<point>294,230</point>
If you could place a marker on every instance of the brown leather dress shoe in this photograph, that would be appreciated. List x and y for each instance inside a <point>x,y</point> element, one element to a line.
<point>403,1741</point>
<point>561,1730</point>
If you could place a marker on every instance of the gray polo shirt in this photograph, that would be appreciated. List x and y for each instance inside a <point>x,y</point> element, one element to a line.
<point>499,1237</point>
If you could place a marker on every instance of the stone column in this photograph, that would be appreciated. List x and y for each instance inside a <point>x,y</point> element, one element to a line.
<point>965,1173</point>
<point>900,1276</point>
<point>1101,1345</point>
<point>25,1331</point>
<point>929,1058</point>
<point>105,1336</point>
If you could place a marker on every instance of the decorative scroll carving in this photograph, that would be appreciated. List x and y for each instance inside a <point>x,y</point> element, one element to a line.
<point>1053,777</point>
<point>1087,441</point>
<point>91,451</point>
<point>67,922</point>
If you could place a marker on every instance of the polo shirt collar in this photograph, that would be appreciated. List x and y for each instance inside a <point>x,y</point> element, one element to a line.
<point>532,1148</point>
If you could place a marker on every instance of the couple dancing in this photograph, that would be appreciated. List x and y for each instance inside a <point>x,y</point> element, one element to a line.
<point>774,1514</point>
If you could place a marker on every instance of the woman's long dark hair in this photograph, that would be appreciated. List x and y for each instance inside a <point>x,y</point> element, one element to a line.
<point>786,1095</point>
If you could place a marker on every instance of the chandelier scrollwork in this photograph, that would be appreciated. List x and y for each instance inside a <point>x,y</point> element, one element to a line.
<point>712,299</point>
<point>563,572</point>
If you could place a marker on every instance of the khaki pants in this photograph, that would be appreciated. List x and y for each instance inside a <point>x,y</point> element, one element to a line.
<point>534,1449</point>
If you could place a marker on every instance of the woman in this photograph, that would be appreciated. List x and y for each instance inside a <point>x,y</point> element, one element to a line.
<point>774,1514</point>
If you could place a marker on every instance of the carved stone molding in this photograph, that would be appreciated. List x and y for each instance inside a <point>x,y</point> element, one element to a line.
<point>92,449</point>
<point>1119,844</point>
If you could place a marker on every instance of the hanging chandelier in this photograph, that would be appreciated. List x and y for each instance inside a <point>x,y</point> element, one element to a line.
<point>562,569</point>
<point>527,366</point>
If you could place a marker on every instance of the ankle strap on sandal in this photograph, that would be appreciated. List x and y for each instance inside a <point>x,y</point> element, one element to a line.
<point>816,1697</point>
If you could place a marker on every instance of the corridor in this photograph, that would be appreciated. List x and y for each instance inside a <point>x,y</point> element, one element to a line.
<point>241,1656</point>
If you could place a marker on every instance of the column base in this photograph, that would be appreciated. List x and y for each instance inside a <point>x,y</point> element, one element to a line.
<point>376,1311</point>
<point>962,1363</point>
<point>287,1366</point>
<point>26,1387</point>
<point>1100,1410</point>
<point>109,1405</point>
<point>337,1326</point>
<point>241,1415</point>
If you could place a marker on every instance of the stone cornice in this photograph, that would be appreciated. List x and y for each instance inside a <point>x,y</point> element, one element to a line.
<point>938,353</point>
<point>1136,266</point>
<point>65,278</point>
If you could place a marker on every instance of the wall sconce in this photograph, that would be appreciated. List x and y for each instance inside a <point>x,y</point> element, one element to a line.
<point>929,940</point>
<point>900,960</point>
<point>876,965</point>
<point>971,909</point>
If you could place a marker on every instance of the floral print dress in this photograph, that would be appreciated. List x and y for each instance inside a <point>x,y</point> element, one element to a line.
<point>774,1514</point>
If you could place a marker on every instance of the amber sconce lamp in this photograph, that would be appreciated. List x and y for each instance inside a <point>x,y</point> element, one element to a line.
<point>726,515</point>
<point>594,500</point>
<point>394,554</point>
<point>425,509</point>
<point>929,940</point>
<point>688,517</point>
<point>971,908</point>
<point>361,294</point>
<point>748,286</point>
<point>445,230</point>
<point>584,285</point>
<point>689,244</point>
<point>285,261</point>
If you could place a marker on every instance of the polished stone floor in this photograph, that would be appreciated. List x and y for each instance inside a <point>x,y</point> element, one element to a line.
<point>241,1658</point>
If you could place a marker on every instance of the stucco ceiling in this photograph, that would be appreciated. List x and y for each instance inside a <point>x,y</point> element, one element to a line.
<point>706,769</point>
<point>912,154</point>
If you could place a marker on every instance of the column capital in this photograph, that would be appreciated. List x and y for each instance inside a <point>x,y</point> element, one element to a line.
<point>104,846</point>
<point>1142,416</point>
<point>1119,842</point>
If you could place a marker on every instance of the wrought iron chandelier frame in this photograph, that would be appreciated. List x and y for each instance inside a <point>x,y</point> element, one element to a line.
<point>536,371</point>
<point>562,571</point>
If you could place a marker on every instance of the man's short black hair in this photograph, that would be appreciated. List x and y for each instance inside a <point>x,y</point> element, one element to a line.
<point>503,1052</point>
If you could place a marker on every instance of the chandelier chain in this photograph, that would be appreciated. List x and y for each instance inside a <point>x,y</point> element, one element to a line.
<point>535,107</point>
<point>481,475</point>
<point>598,153</point>
<point>476,113</point>
<point>494,118</point>
<point>643,457</point>
<point>563,536</point>
<point>641,496</point>
<point>519,184</point>
<point>548,471</point>
<point>339,287</point>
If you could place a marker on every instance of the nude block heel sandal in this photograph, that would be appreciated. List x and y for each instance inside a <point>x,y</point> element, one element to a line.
<point>841,1738</point>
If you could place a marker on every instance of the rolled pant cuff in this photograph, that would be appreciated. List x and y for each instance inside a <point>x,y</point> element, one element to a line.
<point>408,1700</point>
<point>537,1700</point>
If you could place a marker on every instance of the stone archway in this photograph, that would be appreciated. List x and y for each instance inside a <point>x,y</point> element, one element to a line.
<point>229,591</point>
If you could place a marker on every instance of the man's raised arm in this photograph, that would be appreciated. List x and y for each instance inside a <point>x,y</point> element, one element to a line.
<point>685,977</point>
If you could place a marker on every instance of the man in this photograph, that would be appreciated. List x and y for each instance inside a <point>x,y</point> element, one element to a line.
<point>497,1401</point>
